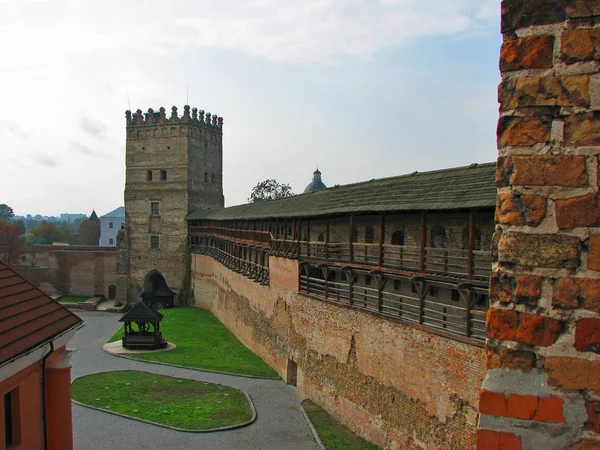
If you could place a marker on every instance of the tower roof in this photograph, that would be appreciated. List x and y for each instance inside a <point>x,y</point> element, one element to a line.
<point>316,183</point>
<point>94,216</point>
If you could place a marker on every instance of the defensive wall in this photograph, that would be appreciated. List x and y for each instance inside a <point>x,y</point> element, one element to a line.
<point>72,269</point>
<point>398,385</point>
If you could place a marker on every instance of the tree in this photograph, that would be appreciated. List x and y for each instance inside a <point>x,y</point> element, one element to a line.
<point>49,232</point>
<point>6,212</point>
<point>12,243</point>
<point>269,190</point>
<point>89,232</point>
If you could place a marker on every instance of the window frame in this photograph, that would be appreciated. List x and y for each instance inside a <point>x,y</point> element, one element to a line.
<point>154,241</point>
<point>154,213</point>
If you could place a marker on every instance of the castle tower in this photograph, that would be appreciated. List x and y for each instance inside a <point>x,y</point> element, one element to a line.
<point>174,165</point>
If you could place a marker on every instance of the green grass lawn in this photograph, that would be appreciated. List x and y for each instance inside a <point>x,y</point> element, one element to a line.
<point>203,342</point>
<point>333,434</point>
<point>181,403</point>
<point>73,298</point>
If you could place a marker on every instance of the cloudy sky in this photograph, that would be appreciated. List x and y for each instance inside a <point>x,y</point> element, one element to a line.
<point>363,88</point>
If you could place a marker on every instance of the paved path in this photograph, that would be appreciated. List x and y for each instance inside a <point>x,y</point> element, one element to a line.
<point>279,426</point>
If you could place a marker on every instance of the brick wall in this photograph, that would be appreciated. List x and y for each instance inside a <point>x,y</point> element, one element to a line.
<point>396,384</point>
<point>542,388</point>
<point>77,270</point>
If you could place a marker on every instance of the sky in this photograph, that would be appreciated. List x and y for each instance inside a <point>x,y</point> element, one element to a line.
<point>362,89</point>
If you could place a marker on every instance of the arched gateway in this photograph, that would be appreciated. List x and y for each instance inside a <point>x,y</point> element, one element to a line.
<point>156,291</point>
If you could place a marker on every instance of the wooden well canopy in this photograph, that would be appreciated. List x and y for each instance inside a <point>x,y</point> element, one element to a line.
<point>147,336</point>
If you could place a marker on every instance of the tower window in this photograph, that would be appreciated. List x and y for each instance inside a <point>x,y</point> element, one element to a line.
<point>206,177</point>
<point>110,224</point>
<point>148,175</point>
<point>154,209</point>
<point>163,175</point>
<point>213,178</point>
<point>154,241</point>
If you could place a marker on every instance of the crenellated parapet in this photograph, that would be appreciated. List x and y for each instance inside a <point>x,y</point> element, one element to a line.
<point>192,116</point>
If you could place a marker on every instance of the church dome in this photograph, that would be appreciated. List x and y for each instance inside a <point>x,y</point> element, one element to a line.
<point>316,183</point>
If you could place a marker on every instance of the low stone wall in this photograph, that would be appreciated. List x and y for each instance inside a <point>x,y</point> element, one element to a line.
<point>77,270</point>
<point>397,385</point>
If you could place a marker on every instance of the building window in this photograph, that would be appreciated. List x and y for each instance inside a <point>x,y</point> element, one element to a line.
<point>206,177</point>
<point>111,241</point>
<point>149,175</point>
<point>110,224</point>
<point>154,241</point>
<point>11,418</point>
<point>154,209</point>
<point>163,175</point>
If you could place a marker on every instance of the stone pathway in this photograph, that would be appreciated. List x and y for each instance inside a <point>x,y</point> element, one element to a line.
<point>280,424</point>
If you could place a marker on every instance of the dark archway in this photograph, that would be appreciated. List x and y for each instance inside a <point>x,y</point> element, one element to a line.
<point>112,292</point>
<point>156,291</point>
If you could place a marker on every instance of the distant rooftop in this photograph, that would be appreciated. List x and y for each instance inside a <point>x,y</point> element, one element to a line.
<point>316,184</point>
<point>119,212</point>
<point>457,188</point>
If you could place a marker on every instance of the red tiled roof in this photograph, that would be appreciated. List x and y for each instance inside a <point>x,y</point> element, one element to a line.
<point>28,317</point>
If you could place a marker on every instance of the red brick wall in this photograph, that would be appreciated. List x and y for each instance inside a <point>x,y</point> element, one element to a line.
<point>77,270</point>
<point>541,389</point>
<point>395,384</point>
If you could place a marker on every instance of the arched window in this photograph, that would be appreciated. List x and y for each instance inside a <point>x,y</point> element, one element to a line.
<point>163,175</point>
<point>438,237</point>
<point>398,238</point>
<point>148,175</point>
<point>369,235</point>
<point>206,177</point>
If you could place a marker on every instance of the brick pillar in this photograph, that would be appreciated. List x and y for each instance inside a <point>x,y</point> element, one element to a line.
<point>542,388</point>
<point>59,418</point>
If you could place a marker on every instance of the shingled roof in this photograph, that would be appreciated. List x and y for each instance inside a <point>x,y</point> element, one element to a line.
<point>467,187</point>
<point>28,317</point>
<point>141,313</point>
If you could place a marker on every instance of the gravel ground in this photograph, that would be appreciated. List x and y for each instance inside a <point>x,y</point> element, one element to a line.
<point>280,424</point>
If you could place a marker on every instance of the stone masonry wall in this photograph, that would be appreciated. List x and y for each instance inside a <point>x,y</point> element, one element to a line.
<point>77,270</point>
<point>395,384</point>
<point>542,388</point>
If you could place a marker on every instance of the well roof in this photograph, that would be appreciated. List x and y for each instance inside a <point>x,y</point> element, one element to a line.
<point>28,317</point>
<point>466,187</point>
<point>141,313</point>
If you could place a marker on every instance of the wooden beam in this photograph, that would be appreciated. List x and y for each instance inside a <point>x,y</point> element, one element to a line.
<point>471,245</point>
<point>351,238</point>
<point>381,238</point>
<point>423,242</point>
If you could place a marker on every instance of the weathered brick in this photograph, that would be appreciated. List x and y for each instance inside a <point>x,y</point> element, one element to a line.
<point>519,288</point>
<point>582,130</point>
<point>502,324</point>
<point>568,373</point>
<point>593,257</point>
<point>550,409</point>
<point>538,330</point>
<point>587,335</point>
<point>511,359</point>
<point>497,440</point>
<point>582,211</point>
<point>593,419</point>
<point>521,406</point>
<point>531,52</point>
<point>567,90</point>
<point>581,8</point>
<point>520,13</point>
<point>520,210</point>
<point>523,131</point>
<point>577,292</point>
<point>585,444</point>
<point>549,171</point>
<point>594,376</point>
<point>492,403</point>
<point>580,45</point>
<point>539,250</point>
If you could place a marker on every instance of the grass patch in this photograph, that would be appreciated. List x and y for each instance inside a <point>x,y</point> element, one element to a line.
<point>73,298</point>
<point>181,403</point>
<point>333,434</point>
<point>203,342</point>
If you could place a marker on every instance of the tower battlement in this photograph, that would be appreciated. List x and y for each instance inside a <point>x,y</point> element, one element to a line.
<point>152,118</point>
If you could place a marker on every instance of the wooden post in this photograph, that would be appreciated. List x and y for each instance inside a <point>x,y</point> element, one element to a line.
<point>471,245</point>
<point>327,239</point>
<point>381,238</point>
<point>308,239</point>
<point>423,242</point>
<point>351,238</point>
